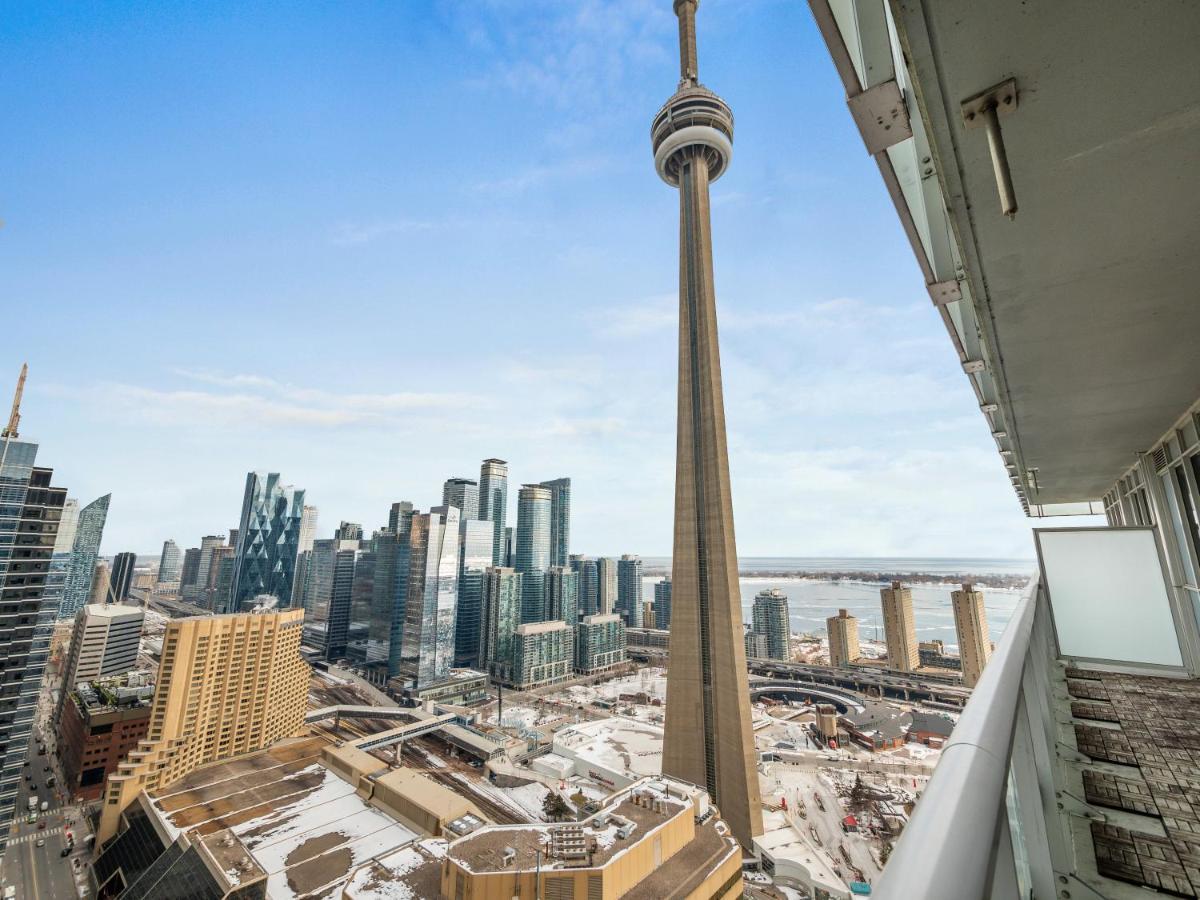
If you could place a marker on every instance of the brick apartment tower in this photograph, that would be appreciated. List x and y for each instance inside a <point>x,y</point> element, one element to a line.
<point>970,621</point>
<point>843,638</point>
<point>899,628</point>
<point>707,738</point>
<point>226,685</point>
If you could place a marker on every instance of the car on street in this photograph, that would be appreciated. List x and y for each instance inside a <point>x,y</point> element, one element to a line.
<point>31,818</point>
<point>66,851</point>
<point>41,842</point>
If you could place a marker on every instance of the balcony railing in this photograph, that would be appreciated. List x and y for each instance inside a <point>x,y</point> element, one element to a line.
<point>998,816</point>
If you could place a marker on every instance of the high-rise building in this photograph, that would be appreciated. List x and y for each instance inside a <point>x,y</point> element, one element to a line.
<point>104,642</point>
<point>561,591</point>
<point>662,604</point>
<point>843,638</point>
<point>543,653</point>
<point>501,616</point>
<point>756,644</point>
<point>100,722</point>
<point>606,585</point>
<point>308,530</point>
<point>385,633</point>
<point>533,548</point>
<point>121,579</point>
<point>234,535</point>
<point>475,557</point>
<point>85,550</point>
<point>899,628</point>
<point>30,510</point>
<point>772,619</point>
<point>970,622</point>
<point>341,598</point>
<point>226,685</point>
<point>221,579</point>
<point>400,517</point>
<point>463,494</point>
<point>493,503</point>
<point>196,591</point>
<point>428,649</point>
<point>629,590</point>
<point>707,738</point>
<point>187,572</point>
<point>560,520</point>
<point>268,541</point>
<point>510,546</point>
<point>170,563</point>
<point>599,644</point>
<point>589,585</point>
<point>100,583</point>
<point>349,531</point>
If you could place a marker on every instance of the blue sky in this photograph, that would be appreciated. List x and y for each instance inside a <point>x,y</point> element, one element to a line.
<point>367,245</point>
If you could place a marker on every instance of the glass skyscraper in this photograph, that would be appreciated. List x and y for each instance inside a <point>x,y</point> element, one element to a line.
<point>462,493</point>
<point>562,595</point>
<point>428,650</point>
<point>501,617</point>
<point>662,604</point>
<point>85,548</point>
<point>493,502</point>
<point>589,584</point>
<point>30,511</point>
<point>629,590</point>
<point>341,597</point>
<point>170,563</point>
<point>475,556</point>
<point>560,520</point>
<point>533,548</point>
<point>268,541</point>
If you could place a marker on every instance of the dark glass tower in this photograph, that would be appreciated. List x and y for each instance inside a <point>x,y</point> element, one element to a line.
<point>560,520</point>
<point>268,541</point>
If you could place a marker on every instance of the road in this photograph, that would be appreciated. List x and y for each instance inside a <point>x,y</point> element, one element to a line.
<point>42,872</point>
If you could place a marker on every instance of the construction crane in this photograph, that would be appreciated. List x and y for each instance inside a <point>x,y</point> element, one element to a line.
<point>14,419</point>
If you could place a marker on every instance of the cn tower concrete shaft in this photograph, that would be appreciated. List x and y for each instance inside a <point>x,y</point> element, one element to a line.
<point>708,739</point>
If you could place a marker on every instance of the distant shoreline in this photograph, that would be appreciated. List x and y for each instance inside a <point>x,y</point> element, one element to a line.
<point>1012,582</point>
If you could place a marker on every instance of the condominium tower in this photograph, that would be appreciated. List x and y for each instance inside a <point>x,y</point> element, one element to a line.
<point>970,621</point>
<point>707,738</point>
<point>843,638</point>
<point>772,620</point>
<point>493,503</point>
<point>533,548</point>
<point>474,559</point>
<point>501,616</point>
<point>560,520</point>
<point>462,493</point>
<point>85,549</point>
<point>899,629</point>
<point>227,685</point>
<point>629,590</point>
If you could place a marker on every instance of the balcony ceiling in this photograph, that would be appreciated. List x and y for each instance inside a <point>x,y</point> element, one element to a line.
<point>1089,299</point>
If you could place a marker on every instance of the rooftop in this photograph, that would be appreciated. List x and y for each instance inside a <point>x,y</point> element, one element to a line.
<point>541,627</point>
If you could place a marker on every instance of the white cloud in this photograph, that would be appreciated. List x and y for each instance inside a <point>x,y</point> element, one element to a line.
<point>348,234</point>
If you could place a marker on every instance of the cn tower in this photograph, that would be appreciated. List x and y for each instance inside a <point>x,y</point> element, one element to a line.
<point>707,739</point>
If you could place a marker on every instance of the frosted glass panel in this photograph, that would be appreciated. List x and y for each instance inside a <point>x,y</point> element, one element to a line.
<point>1108,595</point>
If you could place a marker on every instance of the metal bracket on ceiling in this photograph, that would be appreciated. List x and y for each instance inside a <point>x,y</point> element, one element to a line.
<point>974,366</point>
<point>983,111</point>
<point>944,292</point>
<point>881,116</point>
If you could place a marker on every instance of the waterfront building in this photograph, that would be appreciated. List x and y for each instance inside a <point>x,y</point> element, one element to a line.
<point>648,638</point>
<point>170,563</point>
<point>121,578</point>
<point>268,541</point>
<point>756,644</point>
<point>970,622</point>
<point>629,590</point>
<point>101,721</point>
<point>427,653</point>
<point>308,530</point>
<point>707,738</point>
<point>899,628</point>
<point>475,557</point>
<point>560,520</point>
<point>543,653</point>
<point>771,618</point>
<point>501,616</point>
<point>599,644</point>
<point>606,585</point>
<point>226,685</point>
<point>493,503</point>
<point>85,550</point>
<point>462,493</point>
<point>842,631</point>
<point>533,548</point>
<point>29,505</point>
<point>662,604</point>
<point>561,590</point>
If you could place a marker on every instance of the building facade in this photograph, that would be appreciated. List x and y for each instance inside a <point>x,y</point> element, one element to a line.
<point>226,685</point>
<point>606,585</point>
<point>462,493</point>
<point>899,628</point>
<point>121,579</point>
<point>561,590</point>
<point>533,548</point>
<point>599,644</point>
<point>85,550</point>
<point>501,616</point>
<point>474,559</point>
<point>589,584</point>
<point>104,643</point>
<point>101,722</point>
<point>842,630</point>
<point>970,622</point>
<point>662,605</point>
<point>493,503</point>
<point>560,520</point>
<point>170,563</point>
<point>431,607</point>
<point>543,653</point>
<point>629,590</point>
<point>308,529</point>
<point>268,541</point>
<point>772,620</point>
<point>756,644</point>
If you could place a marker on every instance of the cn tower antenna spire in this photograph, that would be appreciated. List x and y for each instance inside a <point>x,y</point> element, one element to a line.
<point>14,419</point>
<point>689,66</point>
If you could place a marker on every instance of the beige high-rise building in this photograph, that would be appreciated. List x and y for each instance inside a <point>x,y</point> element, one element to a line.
<point>970,621</point>
<point>899,629</point>
<point>226,685</point>
<point>843,638</point>
<point>100,583</point>
<point>707,738</point>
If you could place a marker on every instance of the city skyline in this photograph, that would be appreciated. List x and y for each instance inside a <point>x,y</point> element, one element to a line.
<point>305,213</point>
